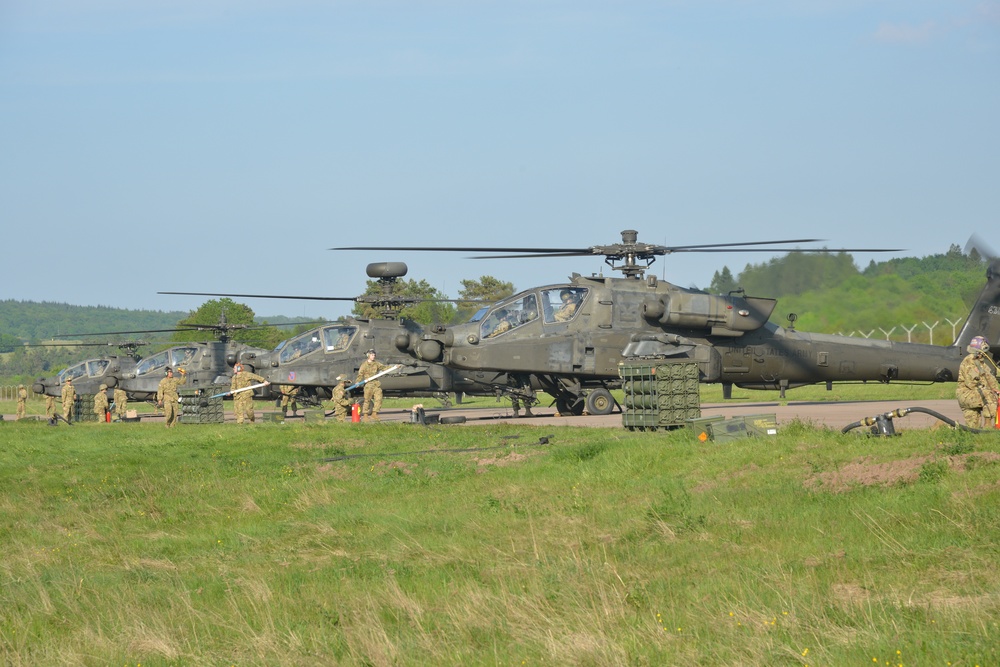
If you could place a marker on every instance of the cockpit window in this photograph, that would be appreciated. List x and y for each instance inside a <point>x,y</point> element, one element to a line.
<point>336,339</point>
<point>183,356</point>
<point>97,367</point>
<point>151,364</point>
<point>478,315</point>
<point>562,304</point>
<point>300,346</point>
<point>509,315</point>
<point>74,372</point>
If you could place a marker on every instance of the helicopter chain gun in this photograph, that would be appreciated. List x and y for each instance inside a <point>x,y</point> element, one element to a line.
<point>572,337</point>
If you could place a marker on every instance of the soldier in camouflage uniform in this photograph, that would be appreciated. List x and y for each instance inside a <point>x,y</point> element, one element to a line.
<point>977,389</point>
<point>288,394</point>
<point>50,407</point>
<point>22,398</point>
<point>373,389</point>
<point>341,401</point>
<point>68,399</point>
<point>121,403</point>
<point>243,401</point>
<point>166,395</point>
<point>101,403</point>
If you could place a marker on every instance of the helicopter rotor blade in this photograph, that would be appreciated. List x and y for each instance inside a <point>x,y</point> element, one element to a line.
<point>977,243</point>
<point>265,296</point>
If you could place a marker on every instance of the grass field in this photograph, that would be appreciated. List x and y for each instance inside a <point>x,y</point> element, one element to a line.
<point>131,544</point>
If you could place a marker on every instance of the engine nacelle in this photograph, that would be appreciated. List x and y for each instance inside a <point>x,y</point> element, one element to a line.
<point>695,310</point>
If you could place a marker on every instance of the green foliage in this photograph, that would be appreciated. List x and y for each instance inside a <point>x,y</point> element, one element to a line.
<point>214,315</point>
<point>796,273</point>
<point>426,312</point>
<point>32,321</point>
<point>481,292</point>
<point>723,282</point>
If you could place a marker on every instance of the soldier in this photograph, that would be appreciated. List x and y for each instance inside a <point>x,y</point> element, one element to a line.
<point>521,392</point>
<point>101,403</point>
<point>243,401</point>
<point>121,403</point>
<point>566,311</point>
<point>288,394</point>
<point>68,399</point>
<point>341,401</point>
<point>166,395</point>
<point>977,389</point>
<point>50,408</point>
<point>503,324</point>
<point>22,397</point>
<point>373,388</point>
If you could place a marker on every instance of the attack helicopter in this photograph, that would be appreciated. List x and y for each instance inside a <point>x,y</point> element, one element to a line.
<point>313,360</point>
<point>572,337</point>
<point>206,363</point>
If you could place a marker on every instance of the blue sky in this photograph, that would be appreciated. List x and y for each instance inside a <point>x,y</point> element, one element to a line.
<point>225,146</point>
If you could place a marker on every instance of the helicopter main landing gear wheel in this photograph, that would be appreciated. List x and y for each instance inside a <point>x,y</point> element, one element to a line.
<point>599,402</point>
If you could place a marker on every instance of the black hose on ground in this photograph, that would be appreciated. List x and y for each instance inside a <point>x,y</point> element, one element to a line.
<point>882,424</point>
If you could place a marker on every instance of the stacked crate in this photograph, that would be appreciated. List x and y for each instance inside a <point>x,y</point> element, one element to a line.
<point>198,406</point>
<point>663,395</point>
<point>83,408</point>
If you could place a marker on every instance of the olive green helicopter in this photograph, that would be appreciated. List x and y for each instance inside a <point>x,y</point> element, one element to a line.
<point>571,338</point>
<point>207,363</point>
<point>313,360</point>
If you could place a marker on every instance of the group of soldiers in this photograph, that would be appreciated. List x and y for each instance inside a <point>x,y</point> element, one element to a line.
<point>118,406</point>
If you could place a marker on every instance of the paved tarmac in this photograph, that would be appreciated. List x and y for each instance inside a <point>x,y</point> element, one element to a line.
<point>833,415</point>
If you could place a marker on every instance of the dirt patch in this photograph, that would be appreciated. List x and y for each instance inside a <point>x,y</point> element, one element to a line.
<point>510,459</point>
<point>386,467</point>
<point>849,596</point>
<point>866,472</point>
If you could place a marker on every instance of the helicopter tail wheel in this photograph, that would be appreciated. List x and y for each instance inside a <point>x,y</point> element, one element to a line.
<point>600,402</point>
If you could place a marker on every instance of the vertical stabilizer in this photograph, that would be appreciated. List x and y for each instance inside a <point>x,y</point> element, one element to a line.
<point>984,320</point>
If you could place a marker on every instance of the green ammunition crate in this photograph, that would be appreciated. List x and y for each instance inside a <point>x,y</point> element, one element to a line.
<point>700,427</point>
<point>727,430</point>
<point>761,424</point>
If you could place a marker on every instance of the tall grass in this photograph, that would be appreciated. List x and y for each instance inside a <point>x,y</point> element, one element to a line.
<point>323,544</point>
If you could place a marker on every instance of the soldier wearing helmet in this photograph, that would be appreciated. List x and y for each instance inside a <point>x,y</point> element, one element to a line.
<point>167,397</point>
<point>68,399</point>
<point>373,388</point>
<point>243,400</point>
<point>341,401</point>
<point>570,301</point>
<point>101,403</point>
<point>978,390</point>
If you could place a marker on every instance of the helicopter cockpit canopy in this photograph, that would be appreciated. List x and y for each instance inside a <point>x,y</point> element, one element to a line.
<point>300,346</point>
<point>177,357</point>
<point>330,339</point>
<point>561,304</point>
<point>509,315</point>
<point>92,368</point>
<point>336,339</point>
